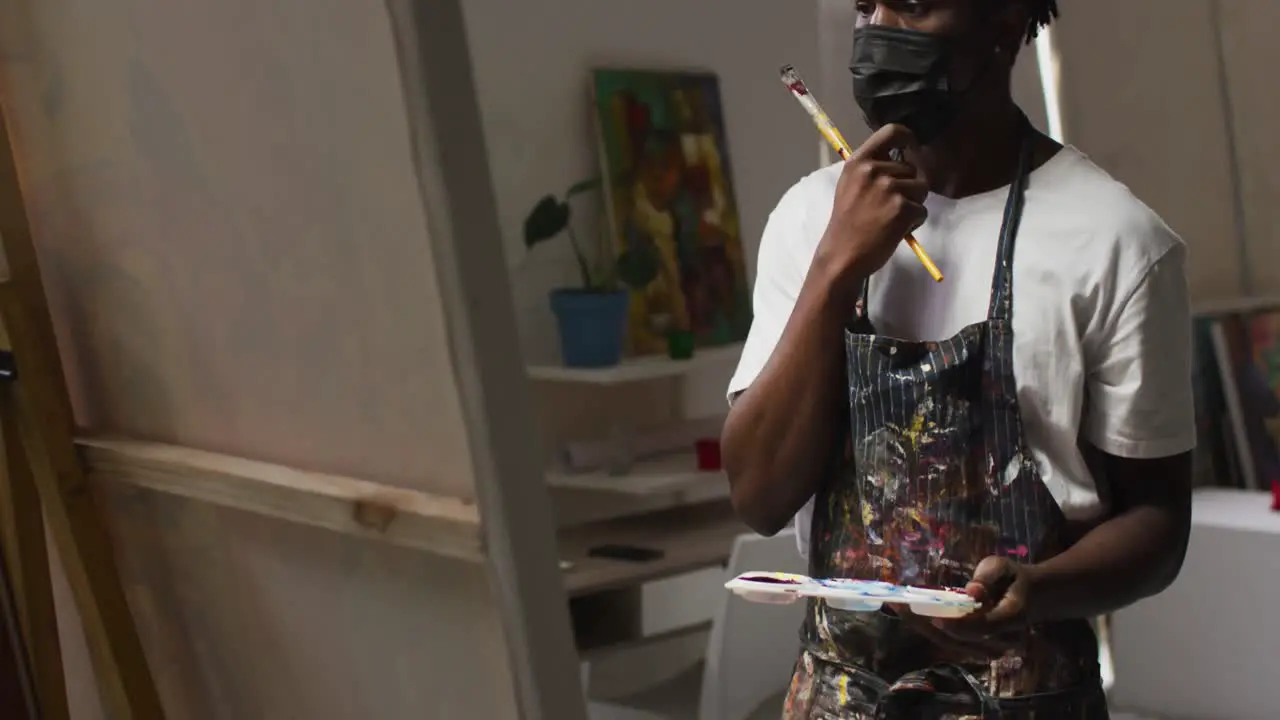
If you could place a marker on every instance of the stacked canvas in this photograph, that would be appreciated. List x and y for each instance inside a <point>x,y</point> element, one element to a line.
<point>1237,379</point>
<point>1214,457</point>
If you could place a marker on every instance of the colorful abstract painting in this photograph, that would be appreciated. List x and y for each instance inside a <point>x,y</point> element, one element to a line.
<point>1247,347</point>
<point>669,186</point>
<point>1213,460</point>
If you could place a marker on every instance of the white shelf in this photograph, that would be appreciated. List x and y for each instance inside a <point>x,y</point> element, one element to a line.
<point>667,474</point>
<point>1232,509</point>
<point>644,368</point>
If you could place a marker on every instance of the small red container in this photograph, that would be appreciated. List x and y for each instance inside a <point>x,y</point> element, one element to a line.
<point>708,450</point>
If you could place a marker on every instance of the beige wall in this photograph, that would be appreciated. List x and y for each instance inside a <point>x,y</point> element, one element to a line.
<point>1252,58</point>
<point>531,63</point>
<point>1141,96</point>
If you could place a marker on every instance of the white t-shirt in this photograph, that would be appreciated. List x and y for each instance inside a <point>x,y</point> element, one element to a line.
<point>1101,320</point>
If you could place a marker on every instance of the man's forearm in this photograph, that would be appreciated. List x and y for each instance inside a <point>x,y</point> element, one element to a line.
<point>1127,558</point>
<point>782,433</point>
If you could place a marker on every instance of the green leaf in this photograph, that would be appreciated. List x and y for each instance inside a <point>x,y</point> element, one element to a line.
<point>546,220</point>
<point>582,186</point>
<point>638,266</point>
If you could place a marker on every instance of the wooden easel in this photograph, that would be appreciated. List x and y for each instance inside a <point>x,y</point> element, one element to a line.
<point>44,484</point>
<point>17,689</point>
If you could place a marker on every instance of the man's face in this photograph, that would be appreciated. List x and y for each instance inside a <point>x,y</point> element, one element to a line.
<point>941,17</point>
<point>978,28</point>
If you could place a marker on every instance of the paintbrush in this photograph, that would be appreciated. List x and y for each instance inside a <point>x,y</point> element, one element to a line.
<point>792,80</point>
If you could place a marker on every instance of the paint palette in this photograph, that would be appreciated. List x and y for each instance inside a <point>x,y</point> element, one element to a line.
<point>851,595</point>
<point>771,587</point>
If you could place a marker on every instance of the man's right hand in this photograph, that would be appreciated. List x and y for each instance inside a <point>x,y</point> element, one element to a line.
<point>878,201</point>
<point>782,433</point>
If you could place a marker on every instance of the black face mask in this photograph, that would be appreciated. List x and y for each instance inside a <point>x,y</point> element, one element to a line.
<point>902,76</point>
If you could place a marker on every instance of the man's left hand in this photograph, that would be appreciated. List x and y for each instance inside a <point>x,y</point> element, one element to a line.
<point>1004,589</point>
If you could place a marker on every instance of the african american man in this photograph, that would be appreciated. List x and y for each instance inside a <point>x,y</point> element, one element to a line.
<point>1020,430</point>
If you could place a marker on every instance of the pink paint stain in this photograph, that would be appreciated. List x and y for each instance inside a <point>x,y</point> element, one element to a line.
<point>1019,552</point>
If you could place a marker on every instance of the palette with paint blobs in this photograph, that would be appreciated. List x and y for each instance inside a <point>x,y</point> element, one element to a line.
<point>852,595</point>
<point>770,587</point>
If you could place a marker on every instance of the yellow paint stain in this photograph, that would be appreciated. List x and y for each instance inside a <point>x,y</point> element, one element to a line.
<point>913,514</point>
<point>913,433</point>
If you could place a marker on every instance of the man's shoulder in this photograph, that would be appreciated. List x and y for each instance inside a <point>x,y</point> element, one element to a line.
<point>813,193</point>
<point>1090,204</point>
<point>798,220</point>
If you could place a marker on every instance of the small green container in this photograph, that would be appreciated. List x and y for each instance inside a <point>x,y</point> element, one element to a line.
<point>680,344</point>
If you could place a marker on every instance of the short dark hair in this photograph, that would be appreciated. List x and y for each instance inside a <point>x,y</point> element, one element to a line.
<point>1040,14</point>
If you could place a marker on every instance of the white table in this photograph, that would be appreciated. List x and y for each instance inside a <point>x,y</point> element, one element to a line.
<point>1206,648</point>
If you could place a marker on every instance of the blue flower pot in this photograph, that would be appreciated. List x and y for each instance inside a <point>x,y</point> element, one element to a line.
<point>592,326</point>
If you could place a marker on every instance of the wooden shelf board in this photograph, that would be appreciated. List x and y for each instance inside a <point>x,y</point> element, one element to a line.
<point>690,538</point>
<point>408,518</point>
<point>675,473</point>
<point>658,484</point>
<point>574,507</point>
<point>638,369</point>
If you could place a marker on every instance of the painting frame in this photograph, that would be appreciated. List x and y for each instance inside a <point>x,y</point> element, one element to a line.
<point>668,182</point>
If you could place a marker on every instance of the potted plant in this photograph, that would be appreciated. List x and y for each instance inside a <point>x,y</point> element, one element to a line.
<point>591,318</point>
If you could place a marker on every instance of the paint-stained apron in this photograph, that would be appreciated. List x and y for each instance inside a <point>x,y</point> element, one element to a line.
<point>936,475</point>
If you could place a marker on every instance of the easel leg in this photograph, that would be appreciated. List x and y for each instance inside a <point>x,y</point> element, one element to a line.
<point>85,547</point>
<point>17,691</point>
<point>81,539</point>
<point>26,557</point>
<point>45,420</point>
